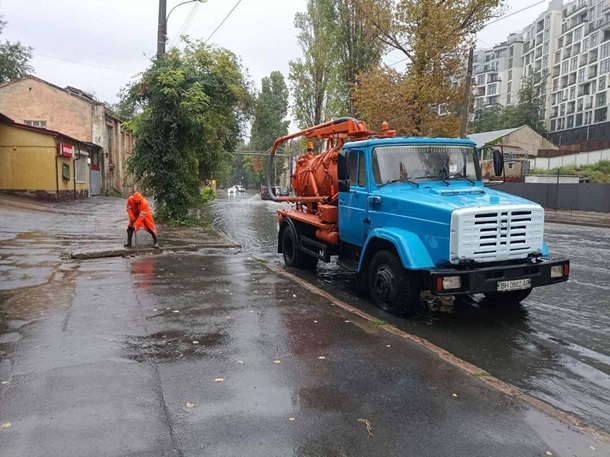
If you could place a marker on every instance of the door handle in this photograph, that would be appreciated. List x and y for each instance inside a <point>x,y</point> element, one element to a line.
<point>366,220</point>
<point>374,199</point>
<point>342,201</point>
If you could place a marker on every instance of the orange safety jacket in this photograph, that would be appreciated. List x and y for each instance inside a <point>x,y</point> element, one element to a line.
<point>140,215</point>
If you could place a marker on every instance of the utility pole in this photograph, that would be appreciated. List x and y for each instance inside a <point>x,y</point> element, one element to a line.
<point>162,30</point>
<point>467,91</point>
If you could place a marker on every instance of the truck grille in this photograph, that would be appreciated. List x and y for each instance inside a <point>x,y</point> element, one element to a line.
<point>496,233</point>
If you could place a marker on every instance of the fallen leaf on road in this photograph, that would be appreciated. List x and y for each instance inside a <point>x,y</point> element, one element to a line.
<point>195,342</point>
<point>549,453</point>
<point>316,322</point>
<point>189,405</point>
<point>277,361</point>
<point>346,321</point>
<point>5,425</point>
<point>154,309</point>
<point>388,345</point>
<point>592,448</point>
<point>167,308</point>
<point>4,382</point>
<point>291,418</point>
<point>455,395</point>
<point>369,427</point>
<point>322,357</point>
<point>175,311</point>
<point>241,362</point>
<point>219,379</point>
<point>294,296</point>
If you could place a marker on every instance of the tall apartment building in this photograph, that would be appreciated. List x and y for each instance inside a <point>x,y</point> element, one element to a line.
<point>540,43</point>
<point>497,73</point>
<point>570,44</point>
<point>579,105</point>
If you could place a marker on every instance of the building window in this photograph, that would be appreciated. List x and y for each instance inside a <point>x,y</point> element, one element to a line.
<point>601,83</point>
<point>511,51</point>
<point>594,39</point>
<point>491,89</point>
<point>41,124</point>
<point>585,44</point>
<point>510,62</point>
<point>508,99</point>
<point>600,99</point>
<point>510,75</point>
<point>81,169</point>
<point>577,34</point>
<point>604,67</point>
<point>480,80</point>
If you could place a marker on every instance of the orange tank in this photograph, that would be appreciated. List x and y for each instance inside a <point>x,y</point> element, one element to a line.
<point>316,175</point>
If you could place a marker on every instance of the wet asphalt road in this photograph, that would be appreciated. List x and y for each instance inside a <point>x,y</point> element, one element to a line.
<point>211,354</point>
<point>555,346</point>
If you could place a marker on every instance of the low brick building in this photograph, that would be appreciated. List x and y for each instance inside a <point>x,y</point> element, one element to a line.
<point>44,163</point>
<point>38,103</point>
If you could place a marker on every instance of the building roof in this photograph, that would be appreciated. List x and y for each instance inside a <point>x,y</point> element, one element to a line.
<point>11,123</point>
<point>481,139</point>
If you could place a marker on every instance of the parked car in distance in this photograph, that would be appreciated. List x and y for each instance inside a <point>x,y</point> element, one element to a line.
<point>241,189</point>
<point>232,190</point>
<point>278,191</point>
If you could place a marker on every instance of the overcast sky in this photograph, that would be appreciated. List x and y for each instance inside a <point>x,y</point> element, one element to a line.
<point>121,35</point>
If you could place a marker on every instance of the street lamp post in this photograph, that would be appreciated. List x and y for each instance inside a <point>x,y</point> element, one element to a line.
<point>163,18</point>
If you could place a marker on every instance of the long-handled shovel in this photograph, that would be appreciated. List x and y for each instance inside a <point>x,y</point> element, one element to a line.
<point>135,239</point>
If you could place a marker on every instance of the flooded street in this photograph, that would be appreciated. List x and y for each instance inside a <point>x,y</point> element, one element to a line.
<point>555,345</point>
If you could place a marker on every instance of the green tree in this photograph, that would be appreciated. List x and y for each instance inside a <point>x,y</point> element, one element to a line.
<point>14,59</point>
<point>355,48</point>
<point>191,106</point>
<point>532,104</point>
<point>487,119</point>
<point>313,77</point>
<point>271,109</point>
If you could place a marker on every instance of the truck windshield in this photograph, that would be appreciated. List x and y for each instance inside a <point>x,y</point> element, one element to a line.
<point>424,162</point>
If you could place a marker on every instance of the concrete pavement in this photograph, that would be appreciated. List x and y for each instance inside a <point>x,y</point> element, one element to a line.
<point>211,353</point>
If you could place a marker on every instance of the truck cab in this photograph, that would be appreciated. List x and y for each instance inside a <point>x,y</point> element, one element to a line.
<point>414,214</point>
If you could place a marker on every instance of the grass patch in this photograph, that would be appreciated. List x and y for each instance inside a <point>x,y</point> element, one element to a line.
<point>378,322</point>
<point>261,260</point>
<point>188,221</point>
<point>483,374</point>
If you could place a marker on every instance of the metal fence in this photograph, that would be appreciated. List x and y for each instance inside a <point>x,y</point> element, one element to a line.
<point>583,158</point>
<point>576,197</point>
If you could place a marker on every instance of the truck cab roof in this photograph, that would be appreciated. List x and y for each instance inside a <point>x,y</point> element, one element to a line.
<point>408,140</point>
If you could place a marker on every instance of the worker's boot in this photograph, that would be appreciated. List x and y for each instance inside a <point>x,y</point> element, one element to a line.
<point>129,237</point>
<point>155,243</point>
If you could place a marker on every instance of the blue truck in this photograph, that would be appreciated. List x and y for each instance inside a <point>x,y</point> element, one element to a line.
<point>413,214</point>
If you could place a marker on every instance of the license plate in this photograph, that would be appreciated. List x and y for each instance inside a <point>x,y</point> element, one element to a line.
<point>517,284</point>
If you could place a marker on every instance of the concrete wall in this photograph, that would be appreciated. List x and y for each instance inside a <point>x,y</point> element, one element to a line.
<point>576,197</point>
<point>583,158</point>
<point>31,99</point>
<point>29,162</point>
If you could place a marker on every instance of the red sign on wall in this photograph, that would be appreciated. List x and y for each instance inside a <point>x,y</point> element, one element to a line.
<point>66,150</point>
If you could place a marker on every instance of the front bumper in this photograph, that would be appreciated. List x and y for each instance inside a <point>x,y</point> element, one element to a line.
<point>484,280</point>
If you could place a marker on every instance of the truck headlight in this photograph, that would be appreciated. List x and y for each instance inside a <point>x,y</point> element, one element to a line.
<point>452,282</point>
<point>559,271</point>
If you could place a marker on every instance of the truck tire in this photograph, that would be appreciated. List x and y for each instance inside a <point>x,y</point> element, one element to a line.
<point>507,298</point>
<point>293,256</point>
<point>392,287</point>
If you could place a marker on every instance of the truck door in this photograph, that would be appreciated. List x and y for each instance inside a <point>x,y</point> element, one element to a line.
<point>353,222</point>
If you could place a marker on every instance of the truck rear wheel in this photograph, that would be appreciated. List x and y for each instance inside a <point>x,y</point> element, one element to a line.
<point>392,287</point>
<point>507,298</point>
<point>293,256</point>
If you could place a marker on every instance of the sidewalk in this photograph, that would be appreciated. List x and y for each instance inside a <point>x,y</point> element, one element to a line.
<point>586,218</point>
<point>98,228</point>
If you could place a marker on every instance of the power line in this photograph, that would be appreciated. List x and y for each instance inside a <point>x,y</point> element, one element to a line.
<point>223,21</point>
<point>84,63</point>
<point>515,12</point>
<point>187,22</point>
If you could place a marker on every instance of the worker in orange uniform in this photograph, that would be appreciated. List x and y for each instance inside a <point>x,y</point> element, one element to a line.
<point>140,216</point>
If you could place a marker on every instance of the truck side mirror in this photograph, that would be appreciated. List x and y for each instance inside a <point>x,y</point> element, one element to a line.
<point>343,171</point>
<point>498,161</point>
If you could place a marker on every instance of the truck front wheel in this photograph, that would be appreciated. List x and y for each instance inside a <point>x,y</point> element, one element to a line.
<point>293,256</point>
<point>392,287</point>
<point>507,298</point>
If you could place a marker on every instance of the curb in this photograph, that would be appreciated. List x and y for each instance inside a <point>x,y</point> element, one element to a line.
<point>132,252</point>
<point>577,223</point>
<point>567,418</point>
